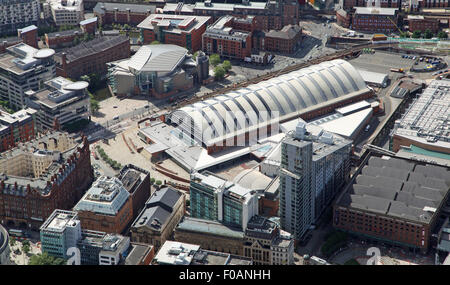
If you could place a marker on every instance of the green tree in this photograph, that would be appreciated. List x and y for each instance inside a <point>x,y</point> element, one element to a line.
<point>95,106</point>
<point>226,65</point>
<point>12,241</point>
<point>76,41</point>
<point>26,249</point>
<point>428,34</point>
<point>404,35</point>
<point>194,56</point>
<point>26,242</point>
<point>158,182</point>
<point>45,259</point>
<point>442,35</point>
<point>416,34</point>
<point>152,180</point>
<point>214,59</point>
<point>219,72</point>
<point>155,43</point>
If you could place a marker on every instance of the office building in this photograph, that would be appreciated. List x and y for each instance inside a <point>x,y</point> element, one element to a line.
<point>16,14</point>
<point>100,248</point>
<point>183,31</point>
<point>137,182</point>
<point>156,222</point>
<point>155,70</point>
<point>59,232</point>
<point>226,39</point>
<point>369,19</point>
<point>92,56</point>
<point>23,68</point>
<point>60,99</point>
<point>421,23</point>
<point>47,173</point>
<point>349,4</point>
<point>217,199</point>
<point>64,12</point>
<point>266,244</point>
<point>393,200</point>
<point>178,253</point>
<point>315,164</point>
<point>122,13</point>
<point>29,35</point>
<point>268,15</point>
<point>424,125</point>
<point>106,206</point>
<point>16,128</point>
<point>287,40</point>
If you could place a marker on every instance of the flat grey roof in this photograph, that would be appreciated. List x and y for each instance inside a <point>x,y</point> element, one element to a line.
<point>398,188</point>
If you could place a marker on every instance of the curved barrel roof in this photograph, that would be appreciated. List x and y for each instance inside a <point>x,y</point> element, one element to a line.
<point>275,100</point>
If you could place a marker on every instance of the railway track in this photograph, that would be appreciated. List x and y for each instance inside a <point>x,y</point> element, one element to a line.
<point>338,54</point>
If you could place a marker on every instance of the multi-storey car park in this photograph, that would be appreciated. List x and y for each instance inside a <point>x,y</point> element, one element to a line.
<point>426,124</point>
<point>394,200</point>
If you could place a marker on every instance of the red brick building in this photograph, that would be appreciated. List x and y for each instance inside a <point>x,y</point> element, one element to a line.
<point>382,201</point>
<point>120,13</point>
<point>16,128</point>
<point>224,39</point>
<point>107,206</point>
<point>63,38</point>
<point>137,182</point>
<point>268,15</point>
<point>286,41</point>
<point>92,56</point>
<point>33,186</point>
<point>349,4</point>
<point>343,18</point>
<point>29,35</point>
<point>377,20</point>
<point>180,30</point>
<point>420,23</point>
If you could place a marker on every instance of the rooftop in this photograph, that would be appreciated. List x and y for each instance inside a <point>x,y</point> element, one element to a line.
<point>106,196</point>
<point>137,253</point>
<point>176,24</point>
<point>21,58</point>
<point>207,257</point>
<point>229,6</point>
<point>160,58</point>
<point>176,253</point>
<point>101,7</point>
<point>398,188</point>
<point>94,46</point>
<point>68,5</point>
<point>132,176</point>
<point>158,209</point>
<point>40,148</point>
<point>222,28</point>
<point>427,120</point>
<point>59,220</point>
<point>287,32</point>
<point>376,11</point>
<point>209,227</point>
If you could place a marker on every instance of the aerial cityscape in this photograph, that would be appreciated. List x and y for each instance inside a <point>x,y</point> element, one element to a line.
<point>225,132</point>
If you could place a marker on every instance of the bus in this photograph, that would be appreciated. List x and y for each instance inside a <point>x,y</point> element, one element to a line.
<point>15,233</point>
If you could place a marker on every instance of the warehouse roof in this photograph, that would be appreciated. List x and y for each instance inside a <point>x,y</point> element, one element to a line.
<point>398,188</point>
<point>209,227</point>
<point>277,99</point>
<point>134,8</point>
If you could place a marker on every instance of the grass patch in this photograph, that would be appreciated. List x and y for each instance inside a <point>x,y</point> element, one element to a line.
<point>352,262</point>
